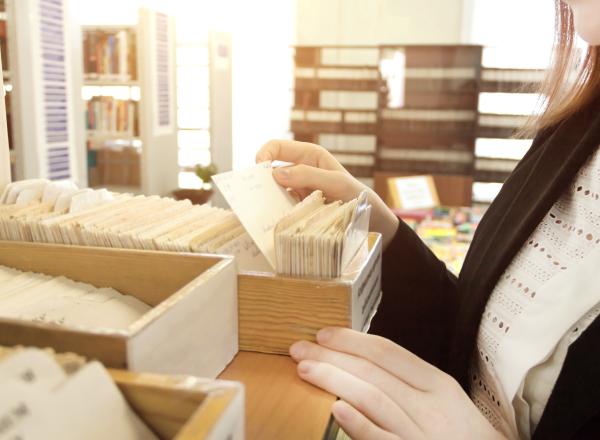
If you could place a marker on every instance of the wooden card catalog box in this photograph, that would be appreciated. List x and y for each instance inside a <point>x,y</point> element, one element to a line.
<point>183,407</point>
<point>191,328</point>
<point>275,312</point>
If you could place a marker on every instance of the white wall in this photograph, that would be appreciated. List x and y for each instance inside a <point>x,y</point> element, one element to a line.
<point>262,75</point>
<point>526,43</point>
<point>372,22</point>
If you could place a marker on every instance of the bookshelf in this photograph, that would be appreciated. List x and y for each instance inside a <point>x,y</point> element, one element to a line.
<point>428,109</point>
<point>130,104</point>
<point>397,110</point>
<point>335,103</point>
<point>393,110</point>
<point>5,152</point>
<point>111,93</point>
<point>500,125</point>
<point>7,87</point>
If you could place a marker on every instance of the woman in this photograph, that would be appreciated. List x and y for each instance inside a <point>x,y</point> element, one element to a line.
<point>510,349</point>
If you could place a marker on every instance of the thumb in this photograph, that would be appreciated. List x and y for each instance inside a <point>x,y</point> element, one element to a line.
<point>336,185</point>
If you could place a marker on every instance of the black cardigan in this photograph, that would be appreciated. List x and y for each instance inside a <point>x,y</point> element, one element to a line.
<point>435,315</point>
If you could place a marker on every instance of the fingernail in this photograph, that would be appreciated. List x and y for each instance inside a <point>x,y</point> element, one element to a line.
<point>304,367</point>
<point>282,173</point>
<point>296,350</point>
<point>323,335</point>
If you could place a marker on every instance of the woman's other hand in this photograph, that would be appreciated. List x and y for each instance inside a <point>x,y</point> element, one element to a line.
<point>316,168</point>
<point>385,391</point>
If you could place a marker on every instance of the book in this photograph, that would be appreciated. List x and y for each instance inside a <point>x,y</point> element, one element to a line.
<point>109,54</point>
<point>106,116</point>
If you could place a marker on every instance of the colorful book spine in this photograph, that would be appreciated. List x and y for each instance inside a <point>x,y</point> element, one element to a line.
<point>109,54</point>
<point>111,117</point>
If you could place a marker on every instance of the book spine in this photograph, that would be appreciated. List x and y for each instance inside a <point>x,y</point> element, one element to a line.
<point>132,55</point>
<point>123,54</point>
<point>114,117</point>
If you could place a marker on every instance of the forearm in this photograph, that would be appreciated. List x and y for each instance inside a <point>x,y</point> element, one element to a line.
<point>383,220</point>
<point>419,297</point>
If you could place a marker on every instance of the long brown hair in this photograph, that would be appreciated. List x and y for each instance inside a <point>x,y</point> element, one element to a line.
<point>573,79</point>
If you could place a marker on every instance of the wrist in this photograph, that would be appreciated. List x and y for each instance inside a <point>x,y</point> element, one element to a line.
<point>383,220</point>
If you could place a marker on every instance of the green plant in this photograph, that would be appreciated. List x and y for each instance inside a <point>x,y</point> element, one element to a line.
<point>206,172</point>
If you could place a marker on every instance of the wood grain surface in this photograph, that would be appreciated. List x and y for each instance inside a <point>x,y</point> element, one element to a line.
<point>279,405</point>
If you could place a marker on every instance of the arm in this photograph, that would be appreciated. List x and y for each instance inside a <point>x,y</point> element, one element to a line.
<point>418,292</point>
<point>386,391</point>
<point>419,298</point>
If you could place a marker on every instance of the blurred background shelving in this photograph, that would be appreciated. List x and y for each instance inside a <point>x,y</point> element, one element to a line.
<point>111,92</point>
<point>398,110</point>
<point>371,84</point>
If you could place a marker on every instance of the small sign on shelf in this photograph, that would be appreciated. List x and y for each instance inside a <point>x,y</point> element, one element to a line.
<point>413,192</point>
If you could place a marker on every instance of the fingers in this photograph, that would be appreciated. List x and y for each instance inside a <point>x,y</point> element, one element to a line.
<point>401,393</point>
<point>336,185</point>
<point>365,397</point>
<point>357,426</point>
<point>299,153</point>
<point>384,353</point>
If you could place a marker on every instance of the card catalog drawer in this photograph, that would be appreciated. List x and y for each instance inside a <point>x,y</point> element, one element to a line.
<point>184,407</point>
<point>275,312</point>
<point>191,328</point>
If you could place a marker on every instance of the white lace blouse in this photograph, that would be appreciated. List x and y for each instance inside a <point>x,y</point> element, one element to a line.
<point>544,300</point>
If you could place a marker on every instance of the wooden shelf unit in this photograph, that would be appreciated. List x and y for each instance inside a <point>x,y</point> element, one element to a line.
<point>503,126</point>
<point>419,105</point>
<point>115,156</point>
<point>6,80</point>
<point>428,109</point>
<point>335,102</point>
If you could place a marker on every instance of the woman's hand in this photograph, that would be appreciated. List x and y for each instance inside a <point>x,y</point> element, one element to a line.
<point>385,391</point>
<point>316,168</point>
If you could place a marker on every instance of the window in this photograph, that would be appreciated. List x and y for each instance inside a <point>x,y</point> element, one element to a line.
<point>193,111</point>
<point>515,35</point>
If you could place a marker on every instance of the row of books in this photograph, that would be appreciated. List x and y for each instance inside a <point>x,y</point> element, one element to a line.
<point>109,116</point>
<point>109,54</point>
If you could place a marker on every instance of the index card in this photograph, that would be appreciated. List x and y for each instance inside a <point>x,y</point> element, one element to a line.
<point>29,195</point>
<point>31,410</point>
<point>258,201</point>
<point>78,416</point>
<point>12,190</point>
<point>54,189</point>
<point>32,367</point>
<point>247,255</point>
<point>89,198</point>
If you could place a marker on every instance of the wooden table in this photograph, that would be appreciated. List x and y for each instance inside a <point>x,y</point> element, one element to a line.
<point>278,404</point>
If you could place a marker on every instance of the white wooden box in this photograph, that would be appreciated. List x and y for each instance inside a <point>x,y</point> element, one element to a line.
<point>191,329</point>
<point>185,407</point>
<point>276,311</point>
